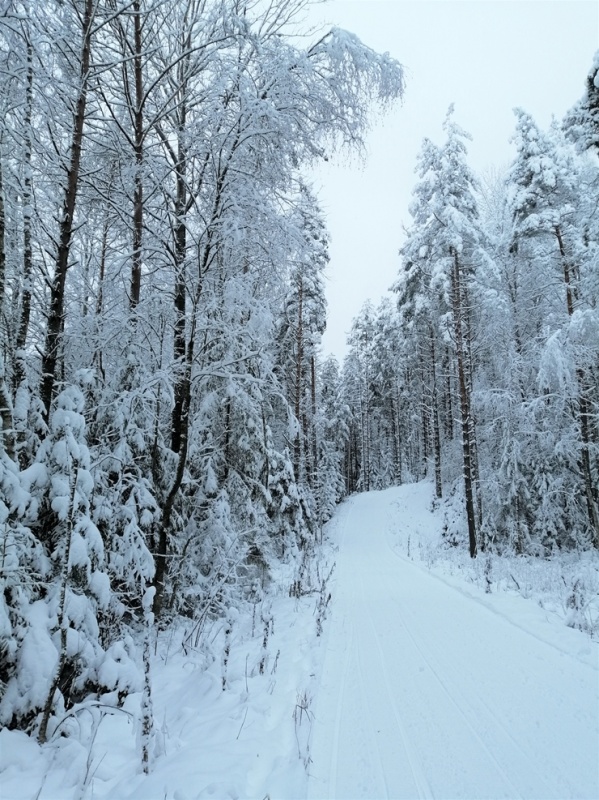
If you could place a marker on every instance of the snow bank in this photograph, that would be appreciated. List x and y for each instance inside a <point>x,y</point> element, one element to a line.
<point>250,740</point>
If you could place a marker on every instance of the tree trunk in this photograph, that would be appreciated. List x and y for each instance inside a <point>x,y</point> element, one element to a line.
<point>138,146</point>
<point>298,379</point>
<point>365,422</point>
<point>472,423</point>
<point>456,297</point>
<point>425,436</point>
<point>590,488</point>
<point>448,401</point>
<point>396,436</point>
<point>7,439</point>
<point>162,554</point>
<point>180,252</point>
<point>98,355</point>
<point>55,316</point>
<point>435,411</point>
<point>584,407</point>
<point>2,246</point>
<point>314,437</point>
<point>25,315</point>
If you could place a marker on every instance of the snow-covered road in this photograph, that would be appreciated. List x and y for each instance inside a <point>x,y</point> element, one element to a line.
<point>428,692</point>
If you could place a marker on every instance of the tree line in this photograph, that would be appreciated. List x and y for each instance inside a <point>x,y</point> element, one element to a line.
<point>483,373</point>
<point>165,437</point>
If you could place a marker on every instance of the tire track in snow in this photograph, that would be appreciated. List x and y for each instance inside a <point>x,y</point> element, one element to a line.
<point>418,774</point>
<point>457,705</point>
<point>427,695</point>
<point>359,699</point>
<point>422,785</point>
<point>479,708</point>
<point>349,708</point>
<point>482,604</point>
<point>381,777</point>
<point>357,606</point>
<point>519,751</point>
<point>334,765</point>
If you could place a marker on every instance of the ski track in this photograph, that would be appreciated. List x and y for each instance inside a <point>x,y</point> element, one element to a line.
<point>422,786</point>
<point>460,704</point>
<point>429,693</point>
<point>469,596</point>
<point>472,716</point>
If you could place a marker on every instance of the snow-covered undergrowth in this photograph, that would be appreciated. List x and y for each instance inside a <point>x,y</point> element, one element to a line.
<point>564,584</point>
<point>234,698</point>
<point>232,707</point>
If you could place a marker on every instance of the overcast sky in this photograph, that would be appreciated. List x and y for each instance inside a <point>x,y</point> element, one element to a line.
<point>486,56</point>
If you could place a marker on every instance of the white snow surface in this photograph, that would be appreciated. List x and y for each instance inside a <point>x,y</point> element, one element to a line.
<point>431,688</point>
<point>422,685</point>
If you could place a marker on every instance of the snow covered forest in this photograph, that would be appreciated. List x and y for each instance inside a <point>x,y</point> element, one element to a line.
<point>164,438</point>
<point>172,439</point>
<point>485,373</point>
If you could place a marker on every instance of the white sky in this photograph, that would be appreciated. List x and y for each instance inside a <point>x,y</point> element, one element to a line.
<point>487,56</point>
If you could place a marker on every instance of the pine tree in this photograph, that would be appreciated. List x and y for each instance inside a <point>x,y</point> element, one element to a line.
<point>581,123</point>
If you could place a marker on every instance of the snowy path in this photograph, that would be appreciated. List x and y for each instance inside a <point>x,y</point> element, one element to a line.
<point>426,692</point>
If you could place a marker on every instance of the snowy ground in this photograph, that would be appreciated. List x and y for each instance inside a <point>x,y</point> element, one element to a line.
<point>249,741</point>
<point>432,688</point>
<point>422,685</point>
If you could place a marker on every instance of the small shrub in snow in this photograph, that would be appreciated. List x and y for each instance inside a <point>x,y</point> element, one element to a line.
<point>303,718</point>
